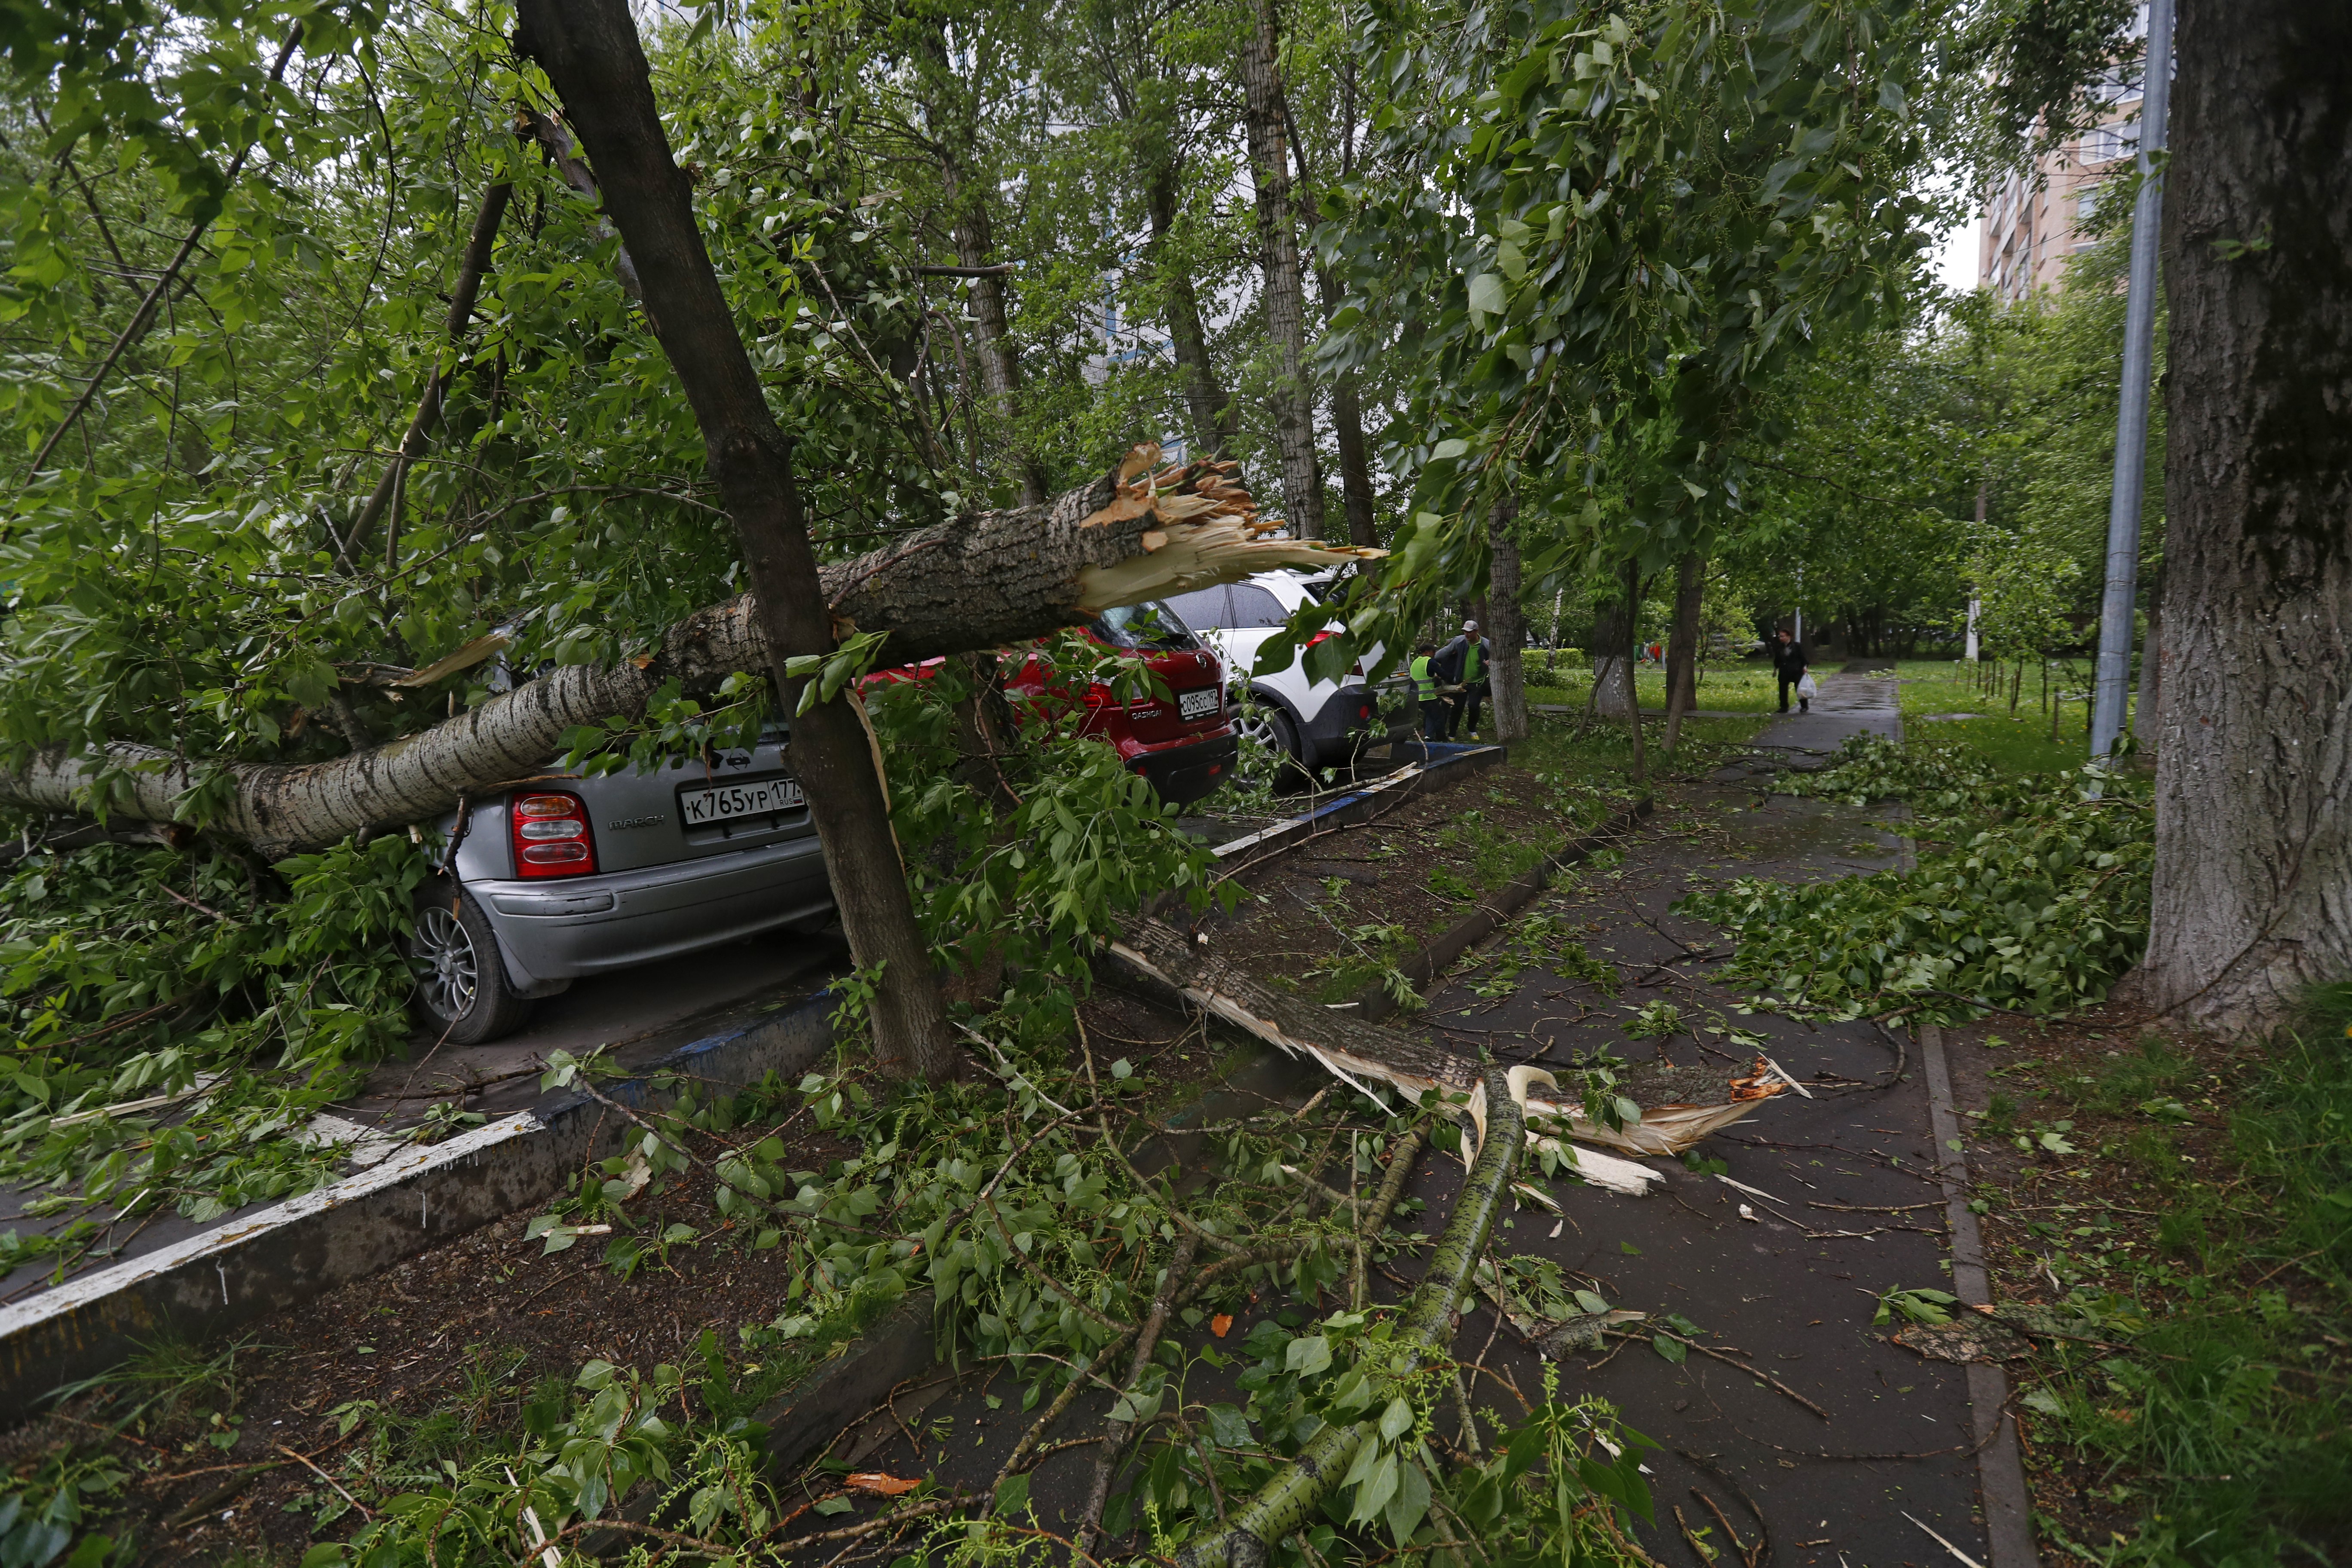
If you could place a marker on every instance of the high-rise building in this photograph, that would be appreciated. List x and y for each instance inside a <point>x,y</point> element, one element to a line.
<point>2034,220</point>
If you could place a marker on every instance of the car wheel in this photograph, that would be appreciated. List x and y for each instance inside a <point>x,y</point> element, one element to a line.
<point>463,994</point>
<point>1265,728</point>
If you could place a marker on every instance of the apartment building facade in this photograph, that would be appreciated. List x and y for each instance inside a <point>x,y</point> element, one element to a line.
<point>2034,220</point>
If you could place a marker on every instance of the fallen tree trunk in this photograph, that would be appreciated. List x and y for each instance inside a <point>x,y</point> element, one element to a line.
<point>1290,1499</point>
<point>981,581</point>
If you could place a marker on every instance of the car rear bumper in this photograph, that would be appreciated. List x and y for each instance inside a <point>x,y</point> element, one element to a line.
<point>1185,771</point>
<point>566,929</point>
<point>1351,712</point>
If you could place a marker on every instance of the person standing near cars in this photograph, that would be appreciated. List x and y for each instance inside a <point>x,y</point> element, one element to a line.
<point>1788,660</point>
<point>1461,663</point>
<point>1424,693</point>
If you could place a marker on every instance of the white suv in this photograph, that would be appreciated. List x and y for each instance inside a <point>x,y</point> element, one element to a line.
<point>1316,723</point>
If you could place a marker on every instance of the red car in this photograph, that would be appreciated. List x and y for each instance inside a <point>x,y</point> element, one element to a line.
<point>1185,745</point>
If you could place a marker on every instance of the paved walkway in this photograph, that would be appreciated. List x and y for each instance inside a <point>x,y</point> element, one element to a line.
<point>1848,705</point>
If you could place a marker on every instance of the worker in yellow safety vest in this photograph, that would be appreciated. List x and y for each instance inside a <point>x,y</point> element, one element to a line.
<point>1425,692</point>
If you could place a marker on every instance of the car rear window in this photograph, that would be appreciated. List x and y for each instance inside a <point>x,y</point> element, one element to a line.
<point>1254,606</point>
<point>1201,607</point>
<point>1151,625</point>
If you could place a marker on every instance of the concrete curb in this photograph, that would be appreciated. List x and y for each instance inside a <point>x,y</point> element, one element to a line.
<point>289,1252</point>
<point>2001,1466</point>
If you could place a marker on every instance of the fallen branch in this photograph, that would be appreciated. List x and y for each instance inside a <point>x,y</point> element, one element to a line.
<point>1288,1500</point>
<point>1361,1055</point>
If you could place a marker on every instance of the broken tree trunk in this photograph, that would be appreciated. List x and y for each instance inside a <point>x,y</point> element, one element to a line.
<point>1291,1497</point>
<point>980,581</point>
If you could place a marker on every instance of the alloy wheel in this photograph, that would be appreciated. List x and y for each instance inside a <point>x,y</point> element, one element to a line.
<point>448,970</point>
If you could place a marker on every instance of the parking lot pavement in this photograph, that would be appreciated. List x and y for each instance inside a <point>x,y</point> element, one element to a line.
<point>637,1015</point>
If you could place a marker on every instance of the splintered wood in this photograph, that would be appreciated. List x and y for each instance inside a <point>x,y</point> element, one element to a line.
<point>1363,1056</point>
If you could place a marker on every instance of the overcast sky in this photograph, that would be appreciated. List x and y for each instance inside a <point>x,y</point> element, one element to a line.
<point>1957,258</point>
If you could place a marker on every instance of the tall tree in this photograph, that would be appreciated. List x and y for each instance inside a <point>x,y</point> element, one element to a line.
<point>591,53</point>
<point>1268,116</point>
<point>2253,813</point>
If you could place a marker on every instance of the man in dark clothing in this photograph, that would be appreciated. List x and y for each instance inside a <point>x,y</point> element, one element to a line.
<point>1788,659</point>
<point>1462,663</point>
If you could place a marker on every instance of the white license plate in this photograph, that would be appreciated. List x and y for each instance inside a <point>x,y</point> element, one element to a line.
<point>1201,704</point>
<point>754,797</point>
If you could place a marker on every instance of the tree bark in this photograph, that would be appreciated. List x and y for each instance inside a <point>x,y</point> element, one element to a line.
<point>471,266</point>
<point>590,51</point>
<point>2253,898</point>
<point>2147,705</point>
<point>1613,627</point>
<point>1000,361</point>
<point>1506,636</point>
<point>985,580</point>
<point>1348,429</point>
<point>1216,418</point>
<point>1682,646</point>
<point>1266,118</point>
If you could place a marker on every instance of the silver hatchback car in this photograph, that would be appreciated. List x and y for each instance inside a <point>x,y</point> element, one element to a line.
<point>570,877</point>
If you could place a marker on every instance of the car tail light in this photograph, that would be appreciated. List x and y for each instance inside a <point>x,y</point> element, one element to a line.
<point>550,837</point>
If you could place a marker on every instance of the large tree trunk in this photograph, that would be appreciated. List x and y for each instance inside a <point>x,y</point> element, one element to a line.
<point>1506,636</point>
<point>1682,646</point>
<point>981,581</point>
<point>1267,119</point>
<point>590,51</point>
<point>2253,809</point>
<point>2146,704</point>
<point>1216,418</point>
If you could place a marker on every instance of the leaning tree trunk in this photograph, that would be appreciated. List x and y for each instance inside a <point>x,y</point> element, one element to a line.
<point>1286,285</point>
<point>590,51</point>
<point>2253,773</point>
<point>472,265</point>
<point>1506,635</point>
<point>1682,646</point>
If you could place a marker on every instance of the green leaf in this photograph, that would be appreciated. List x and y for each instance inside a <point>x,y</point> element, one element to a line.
<point>1486,298</point>
<point>1672,1348</point>
<point>1307,1356</point>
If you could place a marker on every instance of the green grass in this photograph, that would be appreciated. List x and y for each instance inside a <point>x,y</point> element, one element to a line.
<point>2018,741</point>
<point>1736,687</point>
<point>2230,1412</point>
